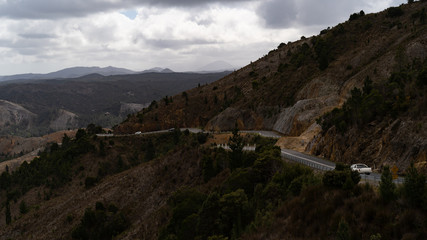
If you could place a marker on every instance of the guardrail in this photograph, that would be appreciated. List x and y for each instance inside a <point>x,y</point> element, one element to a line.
<point>377,178</point>
<point>306,161</point>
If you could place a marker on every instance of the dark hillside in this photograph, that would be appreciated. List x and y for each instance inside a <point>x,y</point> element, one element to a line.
<point>297,83</point>
<point>73,103</point>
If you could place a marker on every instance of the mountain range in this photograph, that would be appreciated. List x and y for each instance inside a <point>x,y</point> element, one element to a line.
<point>75,72</point>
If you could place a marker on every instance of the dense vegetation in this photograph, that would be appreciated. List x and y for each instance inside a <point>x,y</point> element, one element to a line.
<point>402,94</point>
<point>263,191</point>
<point>103,223</point>
<point>257,183</point>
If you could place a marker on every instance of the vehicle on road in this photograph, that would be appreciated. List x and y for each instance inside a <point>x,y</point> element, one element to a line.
<point>361,168</point>
<point>137,133</point>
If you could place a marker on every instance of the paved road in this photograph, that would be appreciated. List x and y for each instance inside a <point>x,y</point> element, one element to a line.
<point>311,161</point>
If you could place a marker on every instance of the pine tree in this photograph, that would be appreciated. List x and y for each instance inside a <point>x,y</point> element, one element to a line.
<point>387,187</point>
<point>236,145</point>
<point>8,214</point>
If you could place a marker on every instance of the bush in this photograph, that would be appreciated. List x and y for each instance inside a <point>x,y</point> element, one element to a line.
<point>341,177</point>
<point>414,187</point>
<point>387,187</point>
<point>90,182</point>
<point>393,12</point>
<point>100,223</point>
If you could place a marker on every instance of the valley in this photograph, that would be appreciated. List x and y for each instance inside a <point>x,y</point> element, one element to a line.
<point>262,152</point>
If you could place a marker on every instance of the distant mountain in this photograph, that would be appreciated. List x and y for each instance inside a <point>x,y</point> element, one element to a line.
<point>217,66</point>
<point>73,72</point>
<point>158,70</point>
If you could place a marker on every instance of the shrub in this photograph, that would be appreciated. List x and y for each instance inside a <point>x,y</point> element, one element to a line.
<point>393,12</point>
<point>100,223</point>
<point>341,177</point>
<point>387,187</point>
<point>414,187</point>
<point>90,182</point>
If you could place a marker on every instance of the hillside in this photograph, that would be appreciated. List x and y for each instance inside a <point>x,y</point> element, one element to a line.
<point>179,185</point>
<point>297,83</point>
<point>35,108</point>
<point>175,186</point>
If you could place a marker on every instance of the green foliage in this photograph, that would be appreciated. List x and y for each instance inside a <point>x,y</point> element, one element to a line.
<point>51,168</point>
<point>236,145</point>
<point>356,16</point>
<point>90,182</point>
<point>101,223</point>
<point>375,237</point>
<point>185,206</point>
<point>234,212</point>
<point>8,214</point>
<point>341,177</point>
<point>229,209</point>
<point>394,12</point>
<point>150,152</point>
<point>323,49</point>
<point>376,102</point>
<point>302,55</point>
<point>343,231</point>
<point>23,208</point>
<point>414,187</point>
<point>92,129</point>
<point>387,187</point>
<point>5,180</point>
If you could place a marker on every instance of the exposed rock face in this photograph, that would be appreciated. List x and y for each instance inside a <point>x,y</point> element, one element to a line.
<point>126,108</point>
<point>65,120</point>
<point>14,114</point>
<point>227,119</point>
<point>294,120</point>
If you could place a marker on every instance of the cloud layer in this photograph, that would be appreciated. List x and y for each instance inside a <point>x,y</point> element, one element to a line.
<point>42,35</point>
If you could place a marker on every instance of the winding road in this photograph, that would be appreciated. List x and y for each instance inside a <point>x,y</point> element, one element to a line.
<point>311,161</point>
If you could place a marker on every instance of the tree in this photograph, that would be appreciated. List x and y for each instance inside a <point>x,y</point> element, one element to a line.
<point>414,186</point>
<point>80,134</point>
<point>150,150</point>
<point>387,187</point>
<point>234,207</point>
<point>235,143</point>
<point>23,209</point>
<point>343,231</point>
<point>8,214</point>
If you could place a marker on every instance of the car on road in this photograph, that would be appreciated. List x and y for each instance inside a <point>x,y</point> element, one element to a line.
<point>137,133</point>
<point>361,168</point>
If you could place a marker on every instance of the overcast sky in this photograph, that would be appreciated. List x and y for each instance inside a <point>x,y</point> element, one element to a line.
<point>41,36</point>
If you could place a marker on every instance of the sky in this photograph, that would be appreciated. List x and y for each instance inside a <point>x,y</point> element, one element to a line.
<point>41,36</point>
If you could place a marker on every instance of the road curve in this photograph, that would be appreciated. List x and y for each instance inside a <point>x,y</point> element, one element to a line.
<point>311,161</point>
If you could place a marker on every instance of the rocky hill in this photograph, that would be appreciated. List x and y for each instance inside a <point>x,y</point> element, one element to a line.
<point>299,82</point>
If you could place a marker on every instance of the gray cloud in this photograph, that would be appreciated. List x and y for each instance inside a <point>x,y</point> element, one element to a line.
<point>176,43</point>
<point>278,13</point>
<point>307,13</point>
<point>48,9</point>
<point>36,35</point>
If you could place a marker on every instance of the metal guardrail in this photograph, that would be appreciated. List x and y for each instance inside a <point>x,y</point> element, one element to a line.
<point>377,178</point>
<point>308,162</point>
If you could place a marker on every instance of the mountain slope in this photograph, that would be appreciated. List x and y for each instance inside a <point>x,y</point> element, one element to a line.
<point>72,103</point>
<point>176,185</point>
<point>295,84</point>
